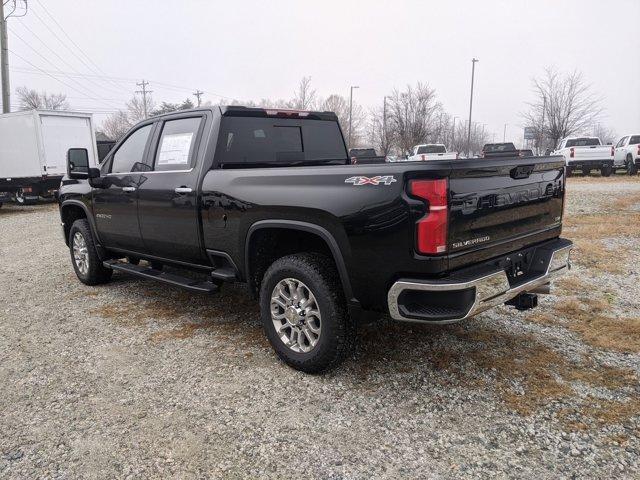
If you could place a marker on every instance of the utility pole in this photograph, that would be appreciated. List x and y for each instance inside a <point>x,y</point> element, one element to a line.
<point>4,61</point>
<point>198,94</point>
<point>144,93</point>
<point>544,107</point>
<point>504,133</point>
<point>473,71</point>
<point>453,134</point>
<point>350,114</point>
<point>384,123</point>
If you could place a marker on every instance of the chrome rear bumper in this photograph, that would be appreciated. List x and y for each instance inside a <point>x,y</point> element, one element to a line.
<point>489,290</point>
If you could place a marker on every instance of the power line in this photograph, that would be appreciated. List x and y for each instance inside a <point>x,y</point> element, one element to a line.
<point>55,78</point>
<point>49,61</point>
<point>62,59</point>
<point>62,42</point>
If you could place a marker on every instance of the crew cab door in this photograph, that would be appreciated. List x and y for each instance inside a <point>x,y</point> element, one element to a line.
<point>115,204</point>
<point>168,194</point>
<point>620,152</point>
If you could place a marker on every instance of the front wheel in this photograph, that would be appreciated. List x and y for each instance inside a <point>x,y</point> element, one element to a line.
<point>84,256</point>
<point>632,168</point>
<point>304,313</point>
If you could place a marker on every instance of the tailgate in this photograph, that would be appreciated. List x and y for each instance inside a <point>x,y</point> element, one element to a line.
<point>495,201</point>
<point>593,152</point>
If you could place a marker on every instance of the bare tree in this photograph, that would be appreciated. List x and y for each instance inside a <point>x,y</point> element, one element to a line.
<point>305,97</point>
<point>412,115</point>
<point>379,134</point>
<point>604,133</point>
<point>340,106</point>
<point>564,105</point>
<point>116,125</point>
<point>30,99</point>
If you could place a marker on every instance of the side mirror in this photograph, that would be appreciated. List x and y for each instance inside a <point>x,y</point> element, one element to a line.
<point>78,164</point>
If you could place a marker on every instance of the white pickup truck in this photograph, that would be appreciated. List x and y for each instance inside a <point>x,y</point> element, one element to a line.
<point>431,151</point>
<point>586,154</point>
<point>627,154</point>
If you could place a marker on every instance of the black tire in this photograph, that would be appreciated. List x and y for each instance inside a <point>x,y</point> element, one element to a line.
<point>95,273</point>
<point>632,168</point>
<point>338,329</point>
<point>606,170</point>
<point>586,172</point>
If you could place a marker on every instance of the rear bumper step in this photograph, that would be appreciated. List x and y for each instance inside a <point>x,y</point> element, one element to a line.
<point>170,278</point>
<point>478,288</point>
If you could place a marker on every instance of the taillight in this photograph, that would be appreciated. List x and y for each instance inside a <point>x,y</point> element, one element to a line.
<point>422,157</point>
<point>572,152</point>
<point>638,149</point>
<point>612,151</point>
<point>431,235</point>
<point>457,155</point>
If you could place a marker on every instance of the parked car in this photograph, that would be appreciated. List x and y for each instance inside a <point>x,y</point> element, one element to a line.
<point>33,149</point>
<point>431,151</point>
<point>496,150</point>
<point>365,156</point>
<point>627,154</point>
<point>269,198</point>
<point>586,154</point>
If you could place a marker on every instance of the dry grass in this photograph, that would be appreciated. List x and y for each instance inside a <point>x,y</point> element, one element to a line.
<point>600,179</point>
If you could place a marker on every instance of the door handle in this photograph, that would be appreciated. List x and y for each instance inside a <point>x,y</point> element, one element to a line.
<point>183,190</point>
<point>128,189</point>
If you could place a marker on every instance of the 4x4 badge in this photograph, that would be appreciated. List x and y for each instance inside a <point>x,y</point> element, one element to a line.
<point>384,180</point>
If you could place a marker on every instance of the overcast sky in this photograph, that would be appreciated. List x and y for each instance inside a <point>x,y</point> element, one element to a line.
<point>261,49</point>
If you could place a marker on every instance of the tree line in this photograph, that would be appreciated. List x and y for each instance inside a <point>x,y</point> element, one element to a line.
<point>563,105</point>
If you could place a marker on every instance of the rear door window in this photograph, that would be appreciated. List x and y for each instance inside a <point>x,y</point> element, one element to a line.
<point>177,144</point>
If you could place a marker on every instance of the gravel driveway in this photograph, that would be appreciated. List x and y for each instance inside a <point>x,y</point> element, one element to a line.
<point>136,379</point>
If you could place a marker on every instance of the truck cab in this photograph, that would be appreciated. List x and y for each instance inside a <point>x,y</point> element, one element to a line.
<point>627,154</point>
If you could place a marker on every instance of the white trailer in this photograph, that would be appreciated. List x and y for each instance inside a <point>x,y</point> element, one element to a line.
<point>33,151</point>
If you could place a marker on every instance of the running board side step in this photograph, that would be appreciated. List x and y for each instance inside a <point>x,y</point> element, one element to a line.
<point>170,278</point>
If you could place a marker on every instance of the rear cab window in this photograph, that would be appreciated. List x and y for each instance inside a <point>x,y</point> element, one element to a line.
<point>583,142</point>
<point>634,140</point>
<point>266,141</point>
<point>431,149</point>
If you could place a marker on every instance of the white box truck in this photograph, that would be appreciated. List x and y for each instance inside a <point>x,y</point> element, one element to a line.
<point>33,151</point>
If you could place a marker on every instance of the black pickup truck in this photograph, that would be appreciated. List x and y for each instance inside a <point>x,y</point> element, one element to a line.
<point>269,197</point>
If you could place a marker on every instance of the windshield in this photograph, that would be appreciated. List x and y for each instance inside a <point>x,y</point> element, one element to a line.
<point>499,147</point>
<point>583,142</point>
<point>431,149</point>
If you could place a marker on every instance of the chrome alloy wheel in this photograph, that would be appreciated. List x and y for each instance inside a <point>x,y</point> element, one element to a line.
<point>80,253</point>
<point>295,315</point>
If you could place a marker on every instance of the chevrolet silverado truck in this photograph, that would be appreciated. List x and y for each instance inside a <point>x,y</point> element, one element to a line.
<point>627,154</point>
<point>586,154</point>
<point>269,198</point>
<point>431,151</point>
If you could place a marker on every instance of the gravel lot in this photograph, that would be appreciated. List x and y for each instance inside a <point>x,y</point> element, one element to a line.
<point>135,379</point>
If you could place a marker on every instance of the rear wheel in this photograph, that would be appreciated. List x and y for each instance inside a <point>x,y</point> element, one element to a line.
<point>84,256</point>
<point>606,170</point>
<point>304,313</point>
<point>21,199</point>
